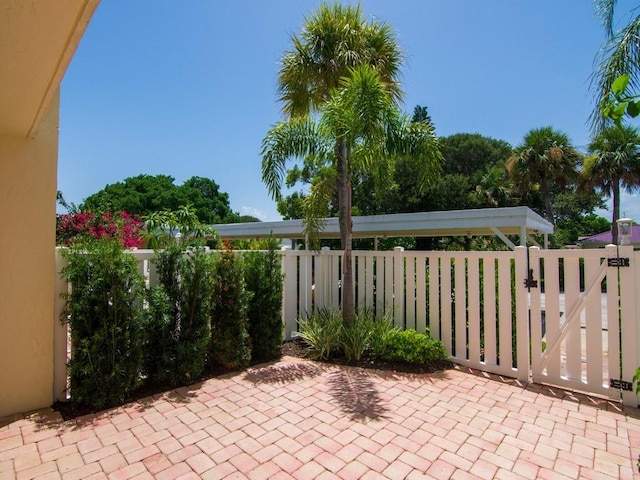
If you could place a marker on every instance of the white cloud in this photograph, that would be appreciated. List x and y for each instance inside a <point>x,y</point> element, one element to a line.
<point>254,212</point>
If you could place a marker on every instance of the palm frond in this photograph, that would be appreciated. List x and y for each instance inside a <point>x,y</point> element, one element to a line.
<point>604,11</point>
<point>295,138</point>
<point>334,40</point>
<point>316,209</point>
<point>418,141</point>
<point>620,55</point>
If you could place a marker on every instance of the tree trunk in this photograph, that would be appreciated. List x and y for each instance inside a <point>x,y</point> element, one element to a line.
<point>544,186</point>
<point>616,211</point>
<point>346,235</point>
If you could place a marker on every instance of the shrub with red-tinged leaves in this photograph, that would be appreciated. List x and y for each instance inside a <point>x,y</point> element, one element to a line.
<point>83,226</point>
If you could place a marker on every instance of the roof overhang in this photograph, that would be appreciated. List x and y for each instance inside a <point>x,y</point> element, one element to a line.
<point>485,221</point>
<point>38,39</point>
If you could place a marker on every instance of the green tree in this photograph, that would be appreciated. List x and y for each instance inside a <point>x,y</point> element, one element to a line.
<point>145,194</point>
<point>325,72</point>
<point>545,160</point>
<point>614,165</point>
<point>620,55</point>
<point>473,154</point>
<point>211,205</point>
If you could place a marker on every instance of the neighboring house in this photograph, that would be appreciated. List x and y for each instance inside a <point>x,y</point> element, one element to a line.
<point>37,41</point>
<point>605,238</point>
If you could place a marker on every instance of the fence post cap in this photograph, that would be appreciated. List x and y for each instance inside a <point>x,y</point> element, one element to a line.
<point>398,249</point>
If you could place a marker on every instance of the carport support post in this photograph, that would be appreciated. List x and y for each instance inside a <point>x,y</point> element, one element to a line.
<point>522,315</point>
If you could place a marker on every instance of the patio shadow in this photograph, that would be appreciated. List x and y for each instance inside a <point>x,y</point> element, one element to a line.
<point>357,394</point>
<point>283,373</point>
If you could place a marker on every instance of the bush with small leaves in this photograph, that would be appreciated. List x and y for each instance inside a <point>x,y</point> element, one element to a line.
<point>411,347</point>
<point>263,277</point>
<point>230,344</point>
<point>104,310</point>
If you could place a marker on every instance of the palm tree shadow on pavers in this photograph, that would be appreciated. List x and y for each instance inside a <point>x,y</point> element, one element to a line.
<point>283,373</point>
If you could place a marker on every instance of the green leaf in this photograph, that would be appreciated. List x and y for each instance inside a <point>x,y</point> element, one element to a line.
<point>633,109</point>
<point>619,110</point>
<point>620,84</point>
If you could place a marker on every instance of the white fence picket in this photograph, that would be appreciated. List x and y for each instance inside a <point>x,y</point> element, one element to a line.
<point>474,310</point>
<point>433,274</point>
<point>593,326</point>
<point>460,304</point>
<point>489,301</point>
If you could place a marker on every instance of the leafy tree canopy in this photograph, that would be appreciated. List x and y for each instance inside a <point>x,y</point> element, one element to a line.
<point>145,194</point>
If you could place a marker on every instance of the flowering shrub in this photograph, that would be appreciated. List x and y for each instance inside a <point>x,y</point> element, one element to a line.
<point>87,225</point>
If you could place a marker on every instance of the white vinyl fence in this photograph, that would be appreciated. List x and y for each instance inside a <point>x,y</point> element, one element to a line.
<point>567,318</point>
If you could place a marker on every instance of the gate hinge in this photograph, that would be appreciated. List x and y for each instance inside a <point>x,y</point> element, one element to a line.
<point>618,262</point>
<point>529,282</point>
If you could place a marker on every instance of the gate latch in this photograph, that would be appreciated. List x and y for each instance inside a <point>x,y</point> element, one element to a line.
<point>618,262</point>
<point>529,282</point>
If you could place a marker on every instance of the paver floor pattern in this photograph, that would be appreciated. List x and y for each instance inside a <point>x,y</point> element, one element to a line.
<point>296,419</point>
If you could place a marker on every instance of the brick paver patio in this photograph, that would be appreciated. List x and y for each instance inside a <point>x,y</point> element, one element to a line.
<point>296,419</point>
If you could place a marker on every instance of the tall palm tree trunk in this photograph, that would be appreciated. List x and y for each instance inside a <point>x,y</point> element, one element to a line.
<point>616,211</point>
<point>544,186</point>
<point>346,234</point>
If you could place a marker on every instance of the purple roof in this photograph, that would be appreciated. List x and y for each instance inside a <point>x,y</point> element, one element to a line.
<point>606,237</point>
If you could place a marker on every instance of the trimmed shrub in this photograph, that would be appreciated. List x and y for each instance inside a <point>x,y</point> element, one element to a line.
<point>229,346</point>
<point>178,317</point>
<point>409,346</point>
<point>263,279</point>
<point>194,326</point>
<point>104,310</point>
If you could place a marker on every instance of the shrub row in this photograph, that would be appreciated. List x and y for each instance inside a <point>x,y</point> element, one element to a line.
<point>208,312</point>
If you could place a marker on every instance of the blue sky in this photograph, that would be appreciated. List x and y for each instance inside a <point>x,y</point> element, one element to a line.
<point>189,88</point>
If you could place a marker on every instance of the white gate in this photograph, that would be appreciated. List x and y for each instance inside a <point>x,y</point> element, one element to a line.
<point>566,318</point>
<point>584,334</point>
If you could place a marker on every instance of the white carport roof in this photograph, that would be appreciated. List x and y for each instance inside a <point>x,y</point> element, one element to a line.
<point>521,221</point>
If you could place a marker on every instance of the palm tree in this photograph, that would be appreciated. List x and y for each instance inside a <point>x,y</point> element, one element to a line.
<point>333,41</point>
<point>615,164</point>
<point>332,45</point>
<point>545,159</point>
<point>619,55</point>
<point>360,130</point>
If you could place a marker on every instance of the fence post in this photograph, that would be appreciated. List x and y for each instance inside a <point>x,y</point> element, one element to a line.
<point>289,293</point>
<point>628,277</point>
<point>60,332</point>
<point>535,316</point>
<point>522,315</point>
<point>635,263</point>
<point>398,287</point>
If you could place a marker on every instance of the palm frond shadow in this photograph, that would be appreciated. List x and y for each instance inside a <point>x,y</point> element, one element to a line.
<point>283,373</point>
<point>357,394</point>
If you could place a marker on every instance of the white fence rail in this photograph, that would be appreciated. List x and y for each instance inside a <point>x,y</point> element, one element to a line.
<point>577,328</point>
